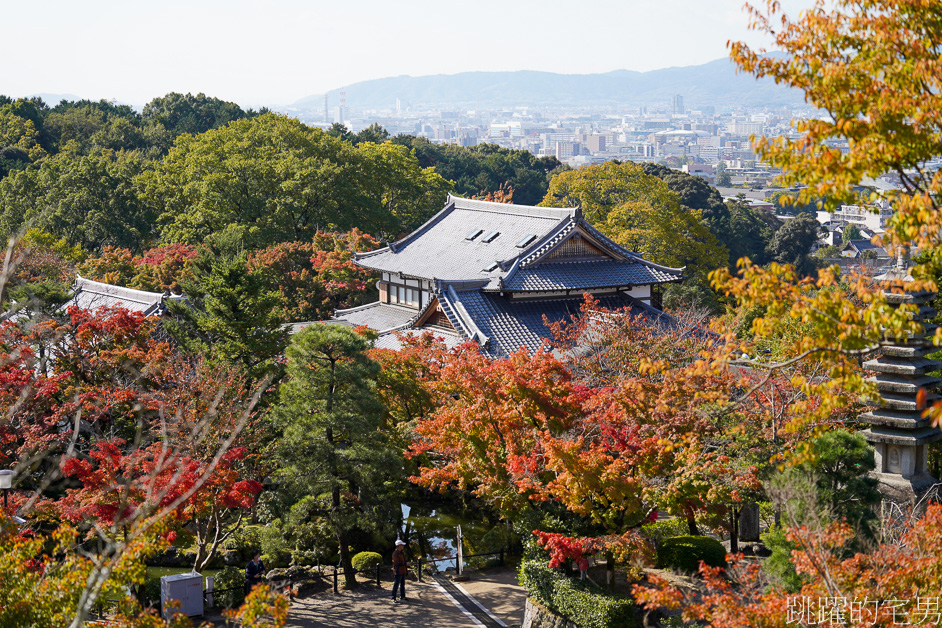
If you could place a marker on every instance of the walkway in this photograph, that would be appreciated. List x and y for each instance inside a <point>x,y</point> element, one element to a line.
<point>428,605</point>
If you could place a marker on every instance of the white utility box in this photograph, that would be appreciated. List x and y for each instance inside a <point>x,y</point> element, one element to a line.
<point>187,588</point>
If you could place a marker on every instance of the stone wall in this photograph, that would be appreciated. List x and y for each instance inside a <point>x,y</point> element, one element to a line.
<point>537,616</point>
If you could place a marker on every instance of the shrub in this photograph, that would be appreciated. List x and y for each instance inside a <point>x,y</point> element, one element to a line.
<point>580,602</point>
<point>658,531</point>
<point>779,565</point>
<point>152,589</point>
<point>366,560</point>
<point>229,578</point>
<point>684,553</point>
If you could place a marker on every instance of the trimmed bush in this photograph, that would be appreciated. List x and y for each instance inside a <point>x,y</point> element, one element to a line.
<point>663,529</point>
<point>580,602</point>
<point>684,553</point>
<point>229,578</point>
<point>366,560</point>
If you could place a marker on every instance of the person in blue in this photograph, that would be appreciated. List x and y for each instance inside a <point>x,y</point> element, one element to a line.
<point>254,571</point>
<point>400,570</point>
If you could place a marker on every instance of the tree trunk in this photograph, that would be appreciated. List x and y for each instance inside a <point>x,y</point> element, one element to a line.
<point>346,561</point>
<point>610,571</point>
<point>733,530</point>
<point>691,521</point>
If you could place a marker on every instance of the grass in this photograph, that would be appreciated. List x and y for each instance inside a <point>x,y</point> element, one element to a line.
<point>159,572</point>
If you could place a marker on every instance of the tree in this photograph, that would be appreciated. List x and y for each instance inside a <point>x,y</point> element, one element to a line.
<point>313,279</point>
<point>639,212</point>
<point>284,181</point>
<point>723,179</point>
<point>483,169</point>
<point>229,311</point>
<point>750,232</point>
<point>850,232</point>
<point>793,242</point>
<point>333,450</point>
<point>87,199</point>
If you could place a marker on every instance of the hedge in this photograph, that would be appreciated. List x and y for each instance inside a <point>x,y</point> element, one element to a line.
<point>366,560</point>
<point>684,553</point>
<point>580,602</point>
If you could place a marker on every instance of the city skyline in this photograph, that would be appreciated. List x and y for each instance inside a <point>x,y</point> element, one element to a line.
<point>256,52</point>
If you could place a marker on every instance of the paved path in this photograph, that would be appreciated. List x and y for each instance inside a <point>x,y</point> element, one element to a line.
<point>428,606</point>
<point>498,591</point>
<point>369,606</point>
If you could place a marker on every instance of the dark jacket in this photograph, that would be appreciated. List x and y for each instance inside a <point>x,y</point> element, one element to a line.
<point>253,571</point>
<point>399,563</point>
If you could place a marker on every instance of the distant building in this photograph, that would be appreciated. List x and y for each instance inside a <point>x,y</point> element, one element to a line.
<point>494,273</point>
<point>677,105</point>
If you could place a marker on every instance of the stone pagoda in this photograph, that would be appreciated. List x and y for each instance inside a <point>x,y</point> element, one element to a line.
<point>898,433</point>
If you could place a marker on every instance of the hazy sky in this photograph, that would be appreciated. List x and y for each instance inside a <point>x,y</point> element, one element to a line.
<point>277,51</point>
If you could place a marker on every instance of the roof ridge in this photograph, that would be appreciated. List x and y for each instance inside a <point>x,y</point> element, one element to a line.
<point>532,211</point>
<point>90,285</point>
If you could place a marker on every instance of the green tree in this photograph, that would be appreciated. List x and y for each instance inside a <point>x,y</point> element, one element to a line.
<point>179,113</point>
<point>722,177</point>
<point>850,232</point>
<point>793,241</point>
<point>486,168</point>
<point>89,200</point>
<point>750,232</point>
<point>332,447</point>
<point>374,133</point>
<point>285,181</point>
<point>639,212</point>
<point>229,312</point>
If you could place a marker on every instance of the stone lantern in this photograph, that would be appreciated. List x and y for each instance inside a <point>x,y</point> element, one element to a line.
<point>898,433</point>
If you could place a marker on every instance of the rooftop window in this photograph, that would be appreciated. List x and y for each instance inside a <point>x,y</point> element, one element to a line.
<point>474,234</point>
<point>492,267</point>
<point>526,240</point>
<point>491,236</point>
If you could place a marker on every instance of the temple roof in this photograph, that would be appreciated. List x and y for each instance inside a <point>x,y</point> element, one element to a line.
<point>377,316</point>
<point>491,243</point>
<point>502,326</point>
<point>91,295</point>
<point>584,275</point>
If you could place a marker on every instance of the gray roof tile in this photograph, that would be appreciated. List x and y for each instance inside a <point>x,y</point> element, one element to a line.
<point>583,275</point>
<point>439,250</point>
<point>511,324</point>
<point>378,316</point>
<point>91,295</point>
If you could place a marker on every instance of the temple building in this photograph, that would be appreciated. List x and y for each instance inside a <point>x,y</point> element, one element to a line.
<point>489,273</point>
<point>91,295</point>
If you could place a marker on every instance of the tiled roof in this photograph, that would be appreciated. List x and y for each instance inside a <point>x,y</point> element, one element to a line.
<point>377,316</point>
<point>510,324</point>
<point>390,340</point>
<point>91,295</point>
<point>439,249</point>
<point>583,275</point>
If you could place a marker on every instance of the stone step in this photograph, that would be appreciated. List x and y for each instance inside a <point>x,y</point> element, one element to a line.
<point>902,366</point>
<point>908,351</point>
<point>922,296</point>
<point>886,382</point>
<point>905,403</point>
<point>895,419</point>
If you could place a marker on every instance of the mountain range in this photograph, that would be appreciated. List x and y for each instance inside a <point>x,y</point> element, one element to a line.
<point>715,83</point>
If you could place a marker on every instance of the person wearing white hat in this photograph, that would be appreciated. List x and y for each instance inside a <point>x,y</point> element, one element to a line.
<point>400,569</point>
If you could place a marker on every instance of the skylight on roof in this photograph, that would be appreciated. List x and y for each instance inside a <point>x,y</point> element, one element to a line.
<point>492,267</point>
<point>491,236</point>
<point>474,234</point>
<point>526,240</point>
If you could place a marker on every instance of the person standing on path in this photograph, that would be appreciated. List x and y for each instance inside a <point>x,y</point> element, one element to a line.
<point>254,571</point>
<point>400,569</point>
